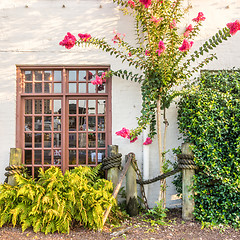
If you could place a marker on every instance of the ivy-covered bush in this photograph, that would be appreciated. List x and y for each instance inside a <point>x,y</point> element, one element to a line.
<point>55,201</point>
<point>209,117</point>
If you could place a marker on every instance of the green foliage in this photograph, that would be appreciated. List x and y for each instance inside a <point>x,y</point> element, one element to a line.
<point>208,117</point>
<point>55,201</point>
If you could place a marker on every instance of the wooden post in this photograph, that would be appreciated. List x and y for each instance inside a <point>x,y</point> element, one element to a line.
<point>131,189</point>
<point>15,159</point>
<point>113,173</point>
<point>187,183</point>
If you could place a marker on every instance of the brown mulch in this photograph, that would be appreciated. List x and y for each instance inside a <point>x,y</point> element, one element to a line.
<point>176,229</point>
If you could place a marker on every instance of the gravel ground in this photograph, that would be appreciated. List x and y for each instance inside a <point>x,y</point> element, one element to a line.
<point>176,229</point>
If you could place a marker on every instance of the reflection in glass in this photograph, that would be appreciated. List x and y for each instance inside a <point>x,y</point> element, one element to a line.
<point>47,140</point>
<point>91,156</point>
<point>101,106</point>
<point>72,106</point>
<point>47,87</point>
<point>38,140</point>
<point>82,106</point>
<point>38,157</point>
<point>72,139</point>
<point>57,123</point>
<point>57,87</point>
<point>47,75</point>
<point>101,155</point>
<point>92,123</point>
<point>91,75</point>
<point>91,88</point>
<point>38,123</point>
<point>72,157</point>
<point>28,87</point>
<point>58,76</point>
<point>38,106</point>
<point>101,88</point>
<point>47,106</point>
<point>82,140</point>
<point>91,140</point>
<point>28,140</point>
<point>82,123</point>
<point>101,140</point>
<point>38,87</point>
<point>47,123</point>
<point>101,123</point>
<point>82,87</point>
<point>57,156</point>
<point>38,75</point>
<point>57,106</point>
<point>72,124</point>
<point>28,106</point>
<point>28,123</point>
<point>82,75</point>
<point>91,106</point>
<point>28,76</point>
<point>47,156</point>
<point>57,140</point>
<point>28,156</point>
<point>72,75</point>
<point>72,87</point>
<point>82,156</point>
<point>36,172</point>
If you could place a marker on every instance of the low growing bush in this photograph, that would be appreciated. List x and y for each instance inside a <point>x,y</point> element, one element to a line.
<point>55,201</point>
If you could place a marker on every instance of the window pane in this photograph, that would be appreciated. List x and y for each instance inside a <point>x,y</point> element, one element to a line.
<point>82,87</point>
<point>91,75</point>
<point>47,76</point>
<point>58,76</point>
<point>38,140</point>
<point>47,87</point>
<point>38,157</point>
<point>91,123</point>
<point>72,157</point>
<point>57,156</point>
<point>82,123</point>
<point>28,123</point>
<point>47,140</point>
<point>47,106</point>
<point>57,87</point>
<point>91,106</point>
<point>72,87</point>
<point>38,87</point>
<point>28,76</point>
<point>91,156</point>
<point>101,106</point>
<point>72,140</point>
<point>72,124</point>
<point>82,75</point>
<point>47,156</point>
<point>57,123</point>
<point>47,123</point>
<point>38,124</point>
<point>38,75</point>
<point>72,75</point>
<point>28,156</point>
<point>92,140</point>
<point>82,140</point>
<point>57,106</point>
<point>28,106</point>
<point>57,140</point>
<point>101,123</point>
<point>101,88</point>
<point>72,106</point>
<point>82,106</point>
<point>101,155</point>
<point>82,156</point>
<point>101,140</point>
<point>28,140</point>
<point>91,88</point>
<point>28,88</point>
<point>38,106</point>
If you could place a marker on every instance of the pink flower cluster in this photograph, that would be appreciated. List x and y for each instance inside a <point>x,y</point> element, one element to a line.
<point>117,38</point>
<point>148,141</point>
<point>99,80</point>
<point>84,37</point>
<point>173,24</point>
<point>131,4</point>
<point>161,48</point>
<point>234,27</point>
<point>156,20</point>
<point>147,53</point>
<point>146,3</point>
<point>199,18</point>
<point>68,41</point>
<point>186,45</point>
<point>125,133</point>
<point>188,30</point>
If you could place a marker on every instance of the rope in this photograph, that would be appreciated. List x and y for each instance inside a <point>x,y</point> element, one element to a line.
<point>186,161</point>
<point>111,162</point>
<point>12,170</point>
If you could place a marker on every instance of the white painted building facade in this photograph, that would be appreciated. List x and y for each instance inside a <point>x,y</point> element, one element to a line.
<point>30,32</point>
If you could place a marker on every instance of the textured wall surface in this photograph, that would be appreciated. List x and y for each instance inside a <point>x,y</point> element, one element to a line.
<point>31,30</point>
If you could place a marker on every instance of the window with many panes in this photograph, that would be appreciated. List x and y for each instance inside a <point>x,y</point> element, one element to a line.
<point>62,118</point>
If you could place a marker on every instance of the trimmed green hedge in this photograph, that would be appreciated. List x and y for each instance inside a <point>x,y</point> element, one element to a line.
<point>209,117</point>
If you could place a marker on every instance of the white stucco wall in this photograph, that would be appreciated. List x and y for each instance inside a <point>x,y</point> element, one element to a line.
<point>30,35</point>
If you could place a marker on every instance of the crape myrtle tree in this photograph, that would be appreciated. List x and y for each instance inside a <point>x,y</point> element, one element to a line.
<point>161,53</point>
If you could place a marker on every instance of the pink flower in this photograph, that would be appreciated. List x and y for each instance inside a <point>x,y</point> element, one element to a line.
<point>129,54</point>
<point>173,24</point>
<point>133,140</point>
<point>68,41</point>
<point>117,38</point>
<point>84,37</point>
<point>156,20</point>
<point>161,48</point>
<point>186,45</point>
<point>234,27</point>
<point>131,4</point>
<point>148,141</point>
<point>147,53</point>
<point>188,30</point>
<point>199,18</point>
<point>146,3</point>
<point>123,133</point>
<point>97,81</point>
